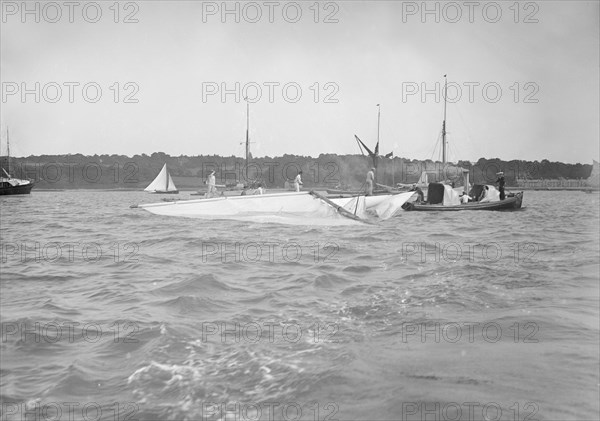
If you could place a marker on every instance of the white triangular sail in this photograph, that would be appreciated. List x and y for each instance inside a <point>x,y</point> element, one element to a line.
<point>170,183</point>
<point>162,183</point>
<point>594,179</point>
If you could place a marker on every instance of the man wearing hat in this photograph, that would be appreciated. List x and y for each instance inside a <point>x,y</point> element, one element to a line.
<point>370,182</point>
<point>501,183</point>
<point>211,184</point>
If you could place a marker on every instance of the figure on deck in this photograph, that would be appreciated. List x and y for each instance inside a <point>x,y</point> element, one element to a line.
<point>370,182</point>
<point>211,185</point>
<point>464,198</point>
<point>418,190</point>
<point>501,183</point>
<point>298,181</point>
<point>259,189</point>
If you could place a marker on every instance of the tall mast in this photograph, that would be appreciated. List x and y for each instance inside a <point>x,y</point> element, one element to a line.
<point>247,134</point>
<point>167,178</point>
<point>378,146</point>
<point>378,120</point>
<point>8,151</point>
<point>444,122</point>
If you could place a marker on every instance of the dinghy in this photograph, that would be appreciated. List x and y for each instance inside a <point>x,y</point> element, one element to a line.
<point>163,183</point>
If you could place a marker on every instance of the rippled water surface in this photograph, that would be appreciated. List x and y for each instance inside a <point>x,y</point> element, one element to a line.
<point>446,316</point>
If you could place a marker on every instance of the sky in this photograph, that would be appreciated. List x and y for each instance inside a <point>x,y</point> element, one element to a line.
<point>156,76</point>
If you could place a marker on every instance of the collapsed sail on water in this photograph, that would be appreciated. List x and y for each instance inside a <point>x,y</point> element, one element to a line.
<point>163,183</point>
<point>303,208</point>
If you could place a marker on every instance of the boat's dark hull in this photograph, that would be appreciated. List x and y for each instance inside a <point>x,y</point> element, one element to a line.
<point>7,189</point>
<point>165,192</point>
<point>510,203</point>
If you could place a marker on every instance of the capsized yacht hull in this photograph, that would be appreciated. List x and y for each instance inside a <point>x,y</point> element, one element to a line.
<point>309,207</point>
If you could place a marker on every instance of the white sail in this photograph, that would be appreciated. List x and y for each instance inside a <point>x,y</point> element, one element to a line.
<point>286,208</point>
<point>382,206</point>
<point>423,180</point>
<point>170,183</point>
<point>162,183</point>
<point>594,179</point>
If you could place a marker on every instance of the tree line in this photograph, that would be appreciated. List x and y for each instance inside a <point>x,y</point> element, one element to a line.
<point>325,171</point>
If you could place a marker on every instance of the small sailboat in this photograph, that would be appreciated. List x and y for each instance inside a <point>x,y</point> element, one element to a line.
<point>10,185</point>
<point>163,183</point>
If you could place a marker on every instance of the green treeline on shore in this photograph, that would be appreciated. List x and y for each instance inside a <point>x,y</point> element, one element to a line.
<point>326,170</point>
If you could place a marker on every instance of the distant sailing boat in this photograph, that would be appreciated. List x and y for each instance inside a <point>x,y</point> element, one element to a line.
<point>594,178</point>
<point>10,185</point>
<point>163,183</point>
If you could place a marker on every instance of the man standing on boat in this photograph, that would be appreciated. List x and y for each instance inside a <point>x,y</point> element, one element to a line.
<point>211,184</point>
<point>421,196</point>
<point>298,181</point>
<point>501,183</point>
<point>370,182</point>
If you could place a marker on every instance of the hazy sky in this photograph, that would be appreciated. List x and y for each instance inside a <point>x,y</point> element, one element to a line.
<point>528,75</point>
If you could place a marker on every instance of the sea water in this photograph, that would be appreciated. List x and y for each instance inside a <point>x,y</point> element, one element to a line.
<point>112,313</point>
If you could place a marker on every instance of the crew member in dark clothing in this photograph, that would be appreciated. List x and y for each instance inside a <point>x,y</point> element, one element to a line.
<point>501,183</point>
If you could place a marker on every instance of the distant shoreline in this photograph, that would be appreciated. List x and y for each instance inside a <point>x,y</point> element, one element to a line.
<point>121,173</point>
<point>515,188</point>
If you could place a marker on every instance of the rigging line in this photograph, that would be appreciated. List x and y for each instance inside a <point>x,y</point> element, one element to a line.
<point>452,149</point>
<point>459,153</point>
<point>451,152</point>
<point>435,147</point>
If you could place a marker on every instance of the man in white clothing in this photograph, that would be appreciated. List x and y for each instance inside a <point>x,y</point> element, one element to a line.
<point>464,198</point>
<point>369,182</point>
<point>298,181</point>
<point>211,184</point>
